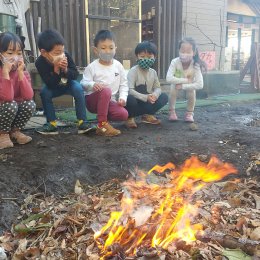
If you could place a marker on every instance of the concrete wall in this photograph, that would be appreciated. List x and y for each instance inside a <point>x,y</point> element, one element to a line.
<point>206,17</point>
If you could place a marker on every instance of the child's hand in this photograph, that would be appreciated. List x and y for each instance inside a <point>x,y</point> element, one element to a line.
<point>20,68</point>
<point>190,79</point>
<point>121,102</point>
<point>178,86</point>
<point>57,65</point>
<point>21,65</point>
<point>151,98</point>
<point>7,67</point>
<point>63,64</point>
<point>98,86</point>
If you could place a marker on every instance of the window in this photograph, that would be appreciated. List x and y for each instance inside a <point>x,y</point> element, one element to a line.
<point>122,18</point>
<point>128,9</point>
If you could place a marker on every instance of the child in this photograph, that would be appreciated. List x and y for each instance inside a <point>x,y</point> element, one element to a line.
<point>16,104</point>
<point>103,80</point>
<point>145,92</point>
<point>185,73</point>
<point>59,73</point>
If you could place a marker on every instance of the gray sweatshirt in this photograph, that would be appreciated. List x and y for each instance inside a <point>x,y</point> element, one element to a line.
<point>137,76</point>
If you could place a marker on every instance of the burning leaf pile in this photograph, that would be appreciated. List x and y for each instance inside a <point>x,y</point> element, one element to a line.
<point>170,213</point>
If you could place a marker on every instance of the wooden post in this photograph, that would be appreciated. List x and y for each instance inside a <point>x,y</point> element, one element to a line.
<point>252,46</point>
<point>238,48</point>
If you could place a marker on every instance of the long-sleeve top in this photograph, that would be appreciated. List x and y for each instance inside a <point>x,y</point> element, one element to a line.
<point>137,76</point>
<point>113,76</point>
<point>52,79</point>
<point>177,75</point>
<point>14,89</point>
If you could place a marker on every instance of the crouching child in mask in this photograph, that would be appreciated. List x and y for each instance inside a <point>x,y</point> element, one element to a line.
<point>145,97</point>
<point>16,93</point>
<point>105,84</point>
<point>59,75</point>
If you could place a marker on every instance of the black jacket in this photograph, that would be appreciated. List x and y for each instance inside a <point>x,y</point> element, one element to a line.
<point>49,77</point>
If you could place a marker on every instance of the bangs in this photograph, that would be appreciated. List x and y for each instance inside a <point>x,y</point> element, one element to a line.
<point>9,41</point>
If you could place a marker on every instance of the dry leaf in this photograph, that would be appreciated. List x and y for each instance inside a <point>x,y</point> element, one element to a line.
<point>230,187</point>
<point>255,235</point>
<point>257,201</point>
<point>240,223</point>
<point>235,202</point>
<point>255,223</point>
<point>78,188</point>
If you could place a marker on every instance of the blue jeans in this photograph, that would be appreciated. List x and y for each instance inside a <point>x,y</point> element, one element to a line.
<point>74,89</point>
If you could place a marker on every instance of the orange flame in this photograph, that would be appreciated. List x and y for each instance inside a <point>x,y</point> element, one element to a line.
<point>156,215</point>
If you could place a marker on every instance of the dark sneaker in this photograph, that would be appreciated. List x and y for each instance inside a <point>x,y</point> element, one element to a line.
<point>47,129</point>
<point>86,128</point>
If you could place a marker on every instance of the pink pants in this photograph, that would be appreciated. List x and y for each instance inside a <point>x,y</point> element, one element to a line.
<point>100,103</point>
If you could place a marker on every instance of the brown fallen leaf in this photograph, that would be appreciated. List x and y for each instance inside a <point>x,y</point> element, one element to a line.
<point>234,201</point>
<point>240,223</point>
<point>230,187</point>
<point>255,235</point>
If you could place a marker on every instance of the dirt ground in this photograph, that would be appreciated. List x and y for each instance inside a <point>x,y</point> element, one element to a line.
<point>52,164</point>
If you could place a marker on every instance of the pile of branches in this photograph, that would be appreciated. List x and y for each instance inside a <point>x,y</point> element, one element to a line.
<point>63,228</point>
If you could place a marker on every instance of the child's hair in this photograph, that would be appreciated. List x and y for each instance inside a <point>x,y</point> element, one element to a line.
<point>103,35</point>
<point>146,46</point>
<point>6,38</point>
<point>196,57</point>
<point>49,38</point>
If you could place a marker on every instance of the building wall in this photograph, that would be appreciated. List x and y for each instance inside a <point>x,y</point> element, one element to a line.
<point>238,7</point>
<point>205,21</point>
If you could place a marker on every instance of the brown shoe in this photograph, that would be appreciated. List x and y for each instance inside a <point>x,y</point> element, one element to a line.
<point>107,130</point>
<point>20,138</point>
<point>130,123</point>
<point>150,119</point>
<point>5,141</point>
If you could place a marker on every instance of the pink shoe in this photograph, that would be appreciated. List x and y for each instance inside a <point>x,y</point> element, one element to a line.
<point>189,117</point>
<point>173,116</point>
<point>5,141</point>
<point>20,138</point>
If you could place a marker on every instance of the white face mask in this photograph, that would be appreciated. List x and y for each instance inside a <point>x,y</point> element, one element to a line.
<point>14,59</point>
<point>107,57</point>
<point>185,58</point>
<point>57,57</point>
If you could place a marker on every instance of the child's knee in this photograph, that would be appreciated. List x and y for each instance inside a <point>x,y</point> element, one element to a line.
<point>29,106</point>
<point>107,92</point>
<point>76,86</point>
<point>131,101</point>
<point>164,98</point>
<point>45,92</point>
<point>124,114</point>
<point>11,107</point>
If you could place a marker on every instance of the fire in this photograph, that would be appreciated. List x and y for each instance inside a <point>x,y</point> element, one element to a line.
<point>157,215</point>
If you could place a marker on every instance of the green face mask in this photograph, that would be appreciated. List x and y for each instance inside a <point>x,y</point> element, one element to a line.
<point>146,63</point>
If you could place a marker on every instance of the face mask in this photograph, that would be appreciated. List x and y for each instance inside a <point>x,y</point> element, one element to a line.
<point>107,57</point>
<point>15,59</point>
<point>185,58</point>
<point>146,63</point>
<point>57,58</point>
